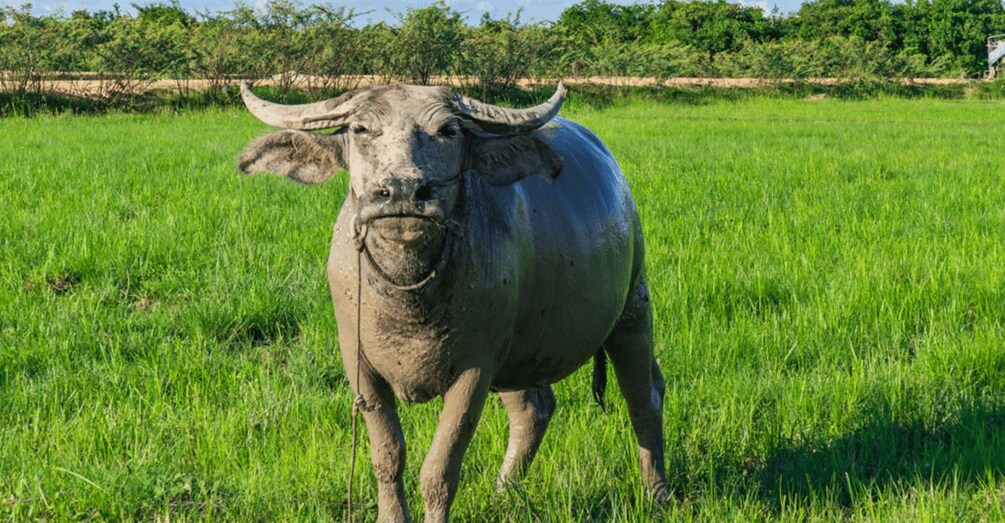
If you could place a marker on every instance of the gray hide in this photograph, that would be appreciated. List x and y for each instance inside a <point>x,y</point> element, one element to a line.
<point>500,250</point>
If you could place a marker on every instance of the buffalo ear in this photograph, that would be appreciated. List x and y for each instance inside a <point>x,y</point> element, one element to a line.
<point>305,157</point>
<point>506,159</point>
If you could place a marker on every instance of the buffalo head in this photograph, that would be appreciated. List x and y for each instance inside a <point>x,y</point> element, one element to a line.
<point>406,149</point>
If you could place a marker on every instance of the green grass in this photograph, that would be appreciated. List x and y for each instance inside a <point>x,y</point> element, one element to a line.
<point>829,283</point>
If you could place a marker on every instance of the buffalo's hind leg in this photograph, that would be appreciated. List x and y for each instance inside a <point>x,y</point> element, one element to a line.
<point>529,412</point>
<point>630,347</point>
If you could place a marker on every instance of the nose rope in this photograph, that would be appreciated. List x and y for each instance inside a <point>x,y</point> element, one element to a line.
<point>359,232</point>
<point>360,229</point>
<point>358,402</point>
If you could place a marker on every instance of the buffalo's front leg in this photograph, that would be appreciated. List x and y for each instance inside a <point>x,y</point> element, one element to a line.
<point>441,470</point>
<point>387,447</point>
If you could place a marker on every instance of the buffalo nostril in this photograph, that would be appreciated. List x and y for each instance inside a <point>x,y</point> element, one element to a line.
<point>424,193</point>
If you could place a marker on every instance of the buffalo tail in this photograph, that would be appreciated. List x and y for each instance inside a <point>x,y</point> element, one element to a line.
<point>599,377</point>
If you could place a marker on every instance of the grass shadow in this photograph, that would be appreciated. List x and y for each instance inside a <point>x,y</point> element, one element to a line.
<point>885,455</point>
<point>246,327</point>
<point>31,104</point>
<point>154,101</point>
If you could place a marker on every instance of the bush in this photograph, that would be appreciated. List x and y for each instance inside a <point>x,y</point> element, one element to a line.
<point>134,52</point>
<point>30,47</point>
<point>499,53</point>
<point>427,42</point>
<point>316,48</point>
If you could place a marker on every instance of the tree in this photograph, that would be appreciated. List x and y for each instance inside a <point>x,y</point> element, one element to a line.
<point>595,21</point>
<point>428,40</point>
<point>333,52</point>
<point>868,20</point>
<point>30,47</point>
<point>711,26</point>
<point>500,52</point>
<point>166,14</point>
<point>957,30</point>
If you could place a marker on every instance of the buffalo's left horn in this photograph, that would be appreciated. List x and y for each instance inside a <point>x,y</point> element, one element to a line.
<point>306,117</point>
<point>499,120</point>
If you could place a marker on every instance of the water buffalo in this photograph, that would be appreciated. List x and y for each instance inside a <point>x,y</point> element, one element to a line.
<point>479,249</point>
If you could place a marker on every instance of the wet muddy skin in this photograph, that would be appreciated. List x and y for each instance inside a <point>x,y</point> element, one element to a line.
<point>480,249</point>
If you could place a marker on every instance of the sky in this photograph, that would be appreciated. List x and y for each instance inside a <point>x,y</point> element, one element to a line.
<point>376,10</point>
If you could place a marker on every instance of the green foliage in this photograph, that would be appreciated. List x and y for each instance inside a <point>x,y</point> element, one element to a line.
<point>866,20</point>
<point>427,41</point>
<point>987,90</point>
<point>951,34</point>
<point>30,46</point>
<point>665,61</point>
<point>839,57</point>
<point>333,59</point>
<point>380,56</point>
<point>956,30</point>
<point>167,14</point>
<point>711,26</point>
<point>499,53</point>
<point>223,47</point>
<point>592,22</point>
<point>319,49</point>
<point>135,52</point>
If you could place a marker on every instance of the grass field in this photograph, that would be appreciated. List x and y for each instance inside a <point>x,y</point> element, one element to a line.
<point>829,283</point>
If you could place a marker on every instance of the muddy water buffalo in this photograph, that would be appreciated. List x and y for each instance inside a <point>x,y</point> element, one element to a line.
<point>479,249</point>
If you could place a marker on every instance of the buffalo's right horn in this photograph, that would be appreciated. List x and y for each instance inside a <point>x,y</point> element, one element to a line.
<point>500,120</point>
<point>306,117</point>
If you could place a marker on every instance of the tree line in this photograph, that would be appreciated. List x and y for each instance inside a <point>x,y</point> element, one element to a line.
<point>321,47</point>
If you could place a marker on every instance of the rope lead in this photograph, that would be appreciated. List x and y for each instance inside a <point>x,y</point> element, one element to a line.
<point>359,402</point>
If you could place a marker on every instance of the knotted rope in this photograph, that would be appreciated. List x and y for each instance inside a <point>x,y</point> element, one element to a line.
<point>359,236</point>
<point>359,232</point>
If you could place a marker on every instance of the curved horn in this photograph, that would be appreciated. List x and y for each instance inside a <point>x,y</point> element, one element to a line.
<point>306,117</point>
<point>499,120</point>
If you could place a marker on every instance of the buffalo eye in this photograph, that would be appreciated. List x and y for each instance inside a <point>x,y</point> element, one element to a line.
<point>449,131</point>
<point>360,129</point>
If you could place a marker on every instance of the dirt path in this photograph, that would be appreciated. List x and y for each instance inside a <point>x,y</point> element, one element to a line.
<point>95,88</point>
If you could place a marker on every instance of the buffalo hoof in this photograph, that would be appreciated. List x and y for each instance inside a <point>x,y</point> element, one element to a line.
<point>505,483</point>
<point>660,493</point>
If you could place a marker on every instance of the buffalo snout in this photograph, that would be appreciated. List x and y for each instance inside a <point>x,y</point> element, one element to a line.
<point>403,198</point>
<point>403,191</point>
